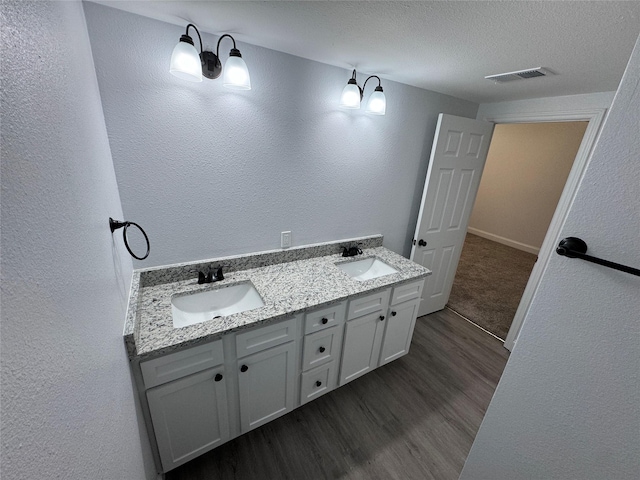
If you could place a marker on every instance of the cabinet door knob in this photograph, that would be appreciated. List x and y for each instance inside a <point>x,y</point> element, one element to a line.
<point>381,317</point>
<point>322,349</point>
<point>218,377</point>
<point>393,314</point>
<point>324,320</point>
<point>318,383</point>
<point>244,368</point>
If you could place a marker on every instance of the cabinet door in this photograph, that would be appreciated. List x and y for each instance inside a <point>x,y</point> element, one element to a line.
<point>189,416</point>
<point>399,330</point>
<point>361,351</point>
<point>266,382</point>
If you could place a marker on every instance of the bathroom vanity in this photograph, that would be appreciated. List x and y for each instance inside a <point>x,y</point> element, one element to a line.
<point>324,320</point>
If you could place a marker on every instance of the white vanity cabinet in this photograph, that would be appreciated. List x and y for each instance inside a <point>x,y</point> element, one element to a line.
<point>199,397</point>
<point>401,320</point>
<point>379,329</point>
<point>189,414</point>
<point>266,373</point>
<point>363,335</point>
<point>321,352</point>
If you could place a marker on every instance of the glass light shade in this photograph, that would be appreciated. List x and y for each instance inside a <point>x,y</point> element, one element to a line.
<point>350,96</point>
<point>185,62</point>
<point>235,74</point>
<point>377,104</point>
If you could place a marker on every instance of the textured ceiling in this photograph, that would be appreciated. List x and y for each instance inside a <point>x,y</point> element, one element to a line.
<point>445,46</point>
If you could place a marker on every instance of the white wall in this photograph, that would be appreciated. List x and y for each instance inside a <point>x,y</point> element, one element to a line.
<point>567,403</point>
<point>525,173</point>
<point>68,407</point>
<point>209,171</point>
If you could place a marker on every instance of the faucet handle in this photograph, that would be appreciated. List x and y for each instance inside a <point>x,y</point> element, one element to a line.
<point>218,274</point>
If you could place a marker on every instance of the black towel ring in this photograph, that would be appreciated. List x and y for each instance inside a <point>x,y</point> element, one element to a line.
<point>114,225</point>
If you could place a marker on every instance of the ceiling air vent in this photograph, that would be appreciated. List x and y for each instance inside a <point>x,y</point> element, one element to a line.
<point>519,75</point>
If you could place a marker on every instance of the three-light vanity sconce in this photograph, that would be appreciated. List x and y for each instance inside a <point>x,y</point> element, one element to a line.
<point>188,64</point>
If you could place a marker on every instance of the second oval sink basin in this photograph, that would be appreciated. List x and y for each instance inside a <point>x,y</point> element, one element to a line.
<point>366,269</point>
<point>202,306</point>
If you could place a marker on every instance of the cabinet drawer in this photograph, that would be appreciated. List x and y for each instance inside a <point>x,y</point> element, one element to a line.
<point>321,347</point>
<point>258,339</point>
<point>180,364</point>
<point>368,304</point>
<point>317,382</point>
<point>324,318</point>
<point>406,292</point>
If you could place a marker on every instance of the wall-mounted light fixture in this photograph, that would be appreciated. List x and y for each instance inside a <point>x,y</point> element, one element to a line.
<point>187,64</point>
<point>352,95</point>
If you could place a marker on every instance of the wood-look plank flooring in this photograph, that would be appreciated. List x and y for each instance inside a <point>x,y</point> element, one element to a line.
<point>414,418</point>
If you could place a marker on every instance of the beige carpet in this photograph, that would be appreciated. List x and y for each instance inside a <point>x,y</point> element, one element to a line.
<point>489,283</point>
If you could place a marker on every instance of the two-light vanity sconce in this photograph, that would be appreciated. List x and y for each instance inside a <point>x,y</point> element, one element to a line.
<point>188,64</point>
<point>352,96</point>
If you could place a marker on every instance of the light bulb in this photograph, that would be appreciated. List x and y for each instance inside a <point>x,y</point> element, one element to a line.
<point>235,73</point>
<point>185,62</point>
<point>377,104</point>
<point>350,96</point>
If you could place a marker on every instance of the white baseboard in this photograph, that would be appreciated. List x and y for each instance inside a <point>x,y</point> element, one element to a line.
<point>505,241</point>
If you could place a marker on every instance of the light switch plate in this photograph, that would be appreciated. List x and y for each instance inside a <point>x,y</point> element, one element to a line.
<point>285,239</point>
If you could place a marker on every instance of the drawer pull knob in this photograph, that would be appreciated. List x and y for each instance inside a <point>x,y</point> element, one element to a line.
<point>318,383</point>
<point>393,314</point>
<point>218,377</point>
<point>322,349</point>
<point>244,368</point>
<point>324,320</point>
<point>381,317</point>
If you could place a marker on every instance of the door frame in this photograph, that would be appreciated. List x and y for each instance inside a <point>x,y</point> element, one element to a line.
<point>595,117</point>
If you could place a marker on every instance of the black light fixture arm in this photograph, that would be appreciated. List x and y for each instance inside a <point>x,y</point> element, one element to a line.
<point>370,77</point>
<point>233,50</point>
<point>353,81</point>
<point>574,247</point>
<point>187,38</point>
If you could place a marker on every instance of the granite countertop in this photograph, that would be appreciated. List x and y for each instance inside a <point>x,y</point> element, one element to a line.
<point>286,289</point>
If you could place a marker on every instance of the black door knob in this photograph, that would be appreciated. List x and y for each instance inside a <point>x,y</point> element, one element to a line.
<point>322,349</point>
<point>318,383</point>
<point>324,320</point>
<point>381,317</point>
<point>218,377</point>
<point>422,243</point>
<point>393,314</point>
<point>244,368</point>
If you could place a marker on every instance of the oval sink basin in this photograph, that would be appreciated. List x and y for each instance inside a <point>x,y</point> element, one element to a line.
<point>366,269</point>
<point>200,307</point>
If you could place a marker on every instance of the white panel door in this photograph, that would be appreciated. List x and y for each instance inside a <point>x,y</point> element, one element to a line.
<point>266,382</point>
<point>189,416</point>
<point>361,351</point>
<point>457,159</point>
<point>398,331</point>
